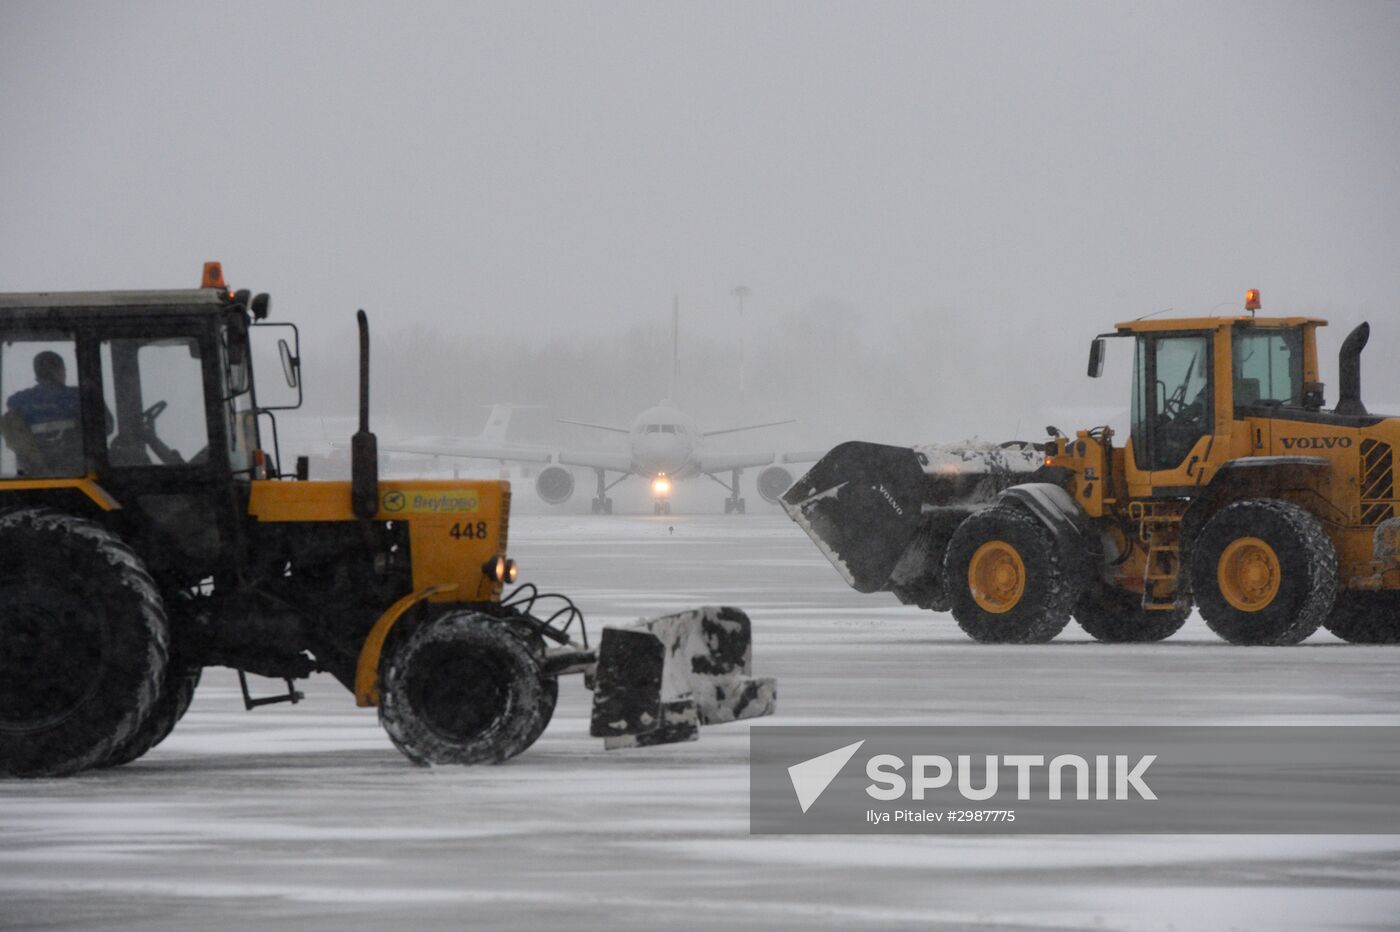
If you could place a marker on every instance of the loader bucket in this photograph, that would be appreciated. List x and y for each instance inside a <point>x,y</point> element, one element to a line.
<point>861,505</point>
<point>883,514</point>
<point>659,680</point>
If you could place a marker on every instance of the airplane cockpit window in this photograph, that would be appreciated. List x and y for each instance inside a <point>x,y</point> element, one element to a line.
<point>653,428</point>
<point>668,428</point>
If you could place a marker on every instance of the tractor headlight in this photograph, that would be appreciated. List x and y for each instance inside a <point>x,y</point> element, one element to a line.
<point>499,569</point>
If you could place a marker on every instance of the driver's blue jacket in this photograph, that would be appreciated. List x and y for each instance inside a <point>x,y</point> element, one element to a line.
<point>47,403</point>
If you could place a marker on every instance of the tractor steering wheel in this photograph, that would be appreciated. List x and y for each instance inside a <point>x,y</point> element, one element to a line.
<point>148,417</point>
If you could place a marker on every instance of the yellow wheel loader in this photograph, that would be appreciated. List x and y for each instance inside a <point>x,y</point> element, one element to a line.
<point>147,531</point>
<point>1236,490</point>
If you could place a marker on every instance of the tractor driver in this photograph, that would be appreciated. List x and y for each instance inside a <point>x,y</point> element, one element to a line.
<point>42,423</point>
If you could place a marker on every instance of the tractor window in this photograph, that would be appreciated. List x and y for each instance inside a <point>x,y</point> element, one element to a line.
<point>1268,367</point>
<point>242,419</point>
<point>155,389</point>
<point>40,427</point>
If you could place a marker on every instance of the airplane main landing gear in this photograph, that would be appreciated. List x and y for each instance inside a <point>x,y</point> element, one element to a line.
<point>601,504</point>
<point>734,504</point>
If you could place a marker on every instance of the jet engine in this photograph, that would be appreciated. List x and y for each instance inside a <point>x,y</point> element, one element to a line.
<point>555,484</point>
<point>772,483</point>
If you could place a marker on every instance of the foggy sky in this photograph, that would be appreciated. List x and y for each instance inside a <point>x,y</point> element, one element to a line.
<point>943,202</point>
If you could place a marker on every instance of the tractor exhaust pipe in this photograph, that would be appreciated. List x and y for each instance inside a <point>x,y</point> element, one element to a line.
<point>364,446</point>
<point>1349,370</point>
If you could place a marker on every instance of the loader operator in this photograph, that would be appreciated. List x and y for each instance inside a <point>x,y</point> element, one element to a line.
<point>41,424</point>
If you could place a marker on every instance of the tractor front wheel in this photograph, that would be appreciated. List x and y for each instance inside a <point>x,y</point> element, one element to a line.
<point>1006,578</point>
<point>462,688</point>
<point>1264,572</point>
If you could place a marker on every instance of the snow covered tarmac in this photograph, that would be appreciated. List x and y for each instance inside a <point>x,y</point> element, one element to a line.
<point>306,817</point>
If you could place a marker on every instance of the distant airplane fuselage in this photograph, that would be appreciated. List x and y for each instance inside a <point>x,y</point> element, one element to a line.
<point>665,442</point>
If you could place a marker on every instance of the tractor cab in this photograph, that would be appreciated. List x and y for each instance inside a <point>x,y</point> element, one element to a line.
<point>140,397</point>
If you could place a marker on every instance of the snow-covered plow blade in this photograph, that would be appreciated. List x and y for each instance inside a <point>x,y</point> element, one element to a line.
<point>659,680</point>
<point>883,515</point>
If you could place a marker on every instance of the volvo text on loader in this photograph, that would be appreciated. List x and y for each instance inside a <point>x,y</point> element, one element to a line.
<point>147,531</point>
<point>1236,490</point>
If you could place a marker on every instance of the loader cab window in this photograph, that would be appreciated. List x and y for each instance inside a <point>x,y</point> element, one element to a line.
<point>1268,367</point>
<point>154,387</point>
<point>1171,398</point>
<point>41,422</point>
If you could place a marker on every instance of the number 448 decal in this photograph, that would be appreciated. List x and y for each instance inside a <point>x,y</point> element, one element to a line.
<point>469,530</point>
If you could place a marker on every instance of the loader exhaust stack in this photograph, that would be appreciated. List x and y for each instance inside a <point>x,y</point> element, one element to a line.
<point>1349,370</point>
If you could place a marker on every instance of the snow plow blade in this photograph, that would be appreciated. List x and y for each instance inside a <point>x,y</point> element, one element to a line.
<point>883,515</point>
<point>659,680</point>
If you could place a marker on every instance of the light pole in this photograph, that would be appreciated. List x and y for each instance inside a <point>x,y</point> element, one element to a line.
<point>740,292</point>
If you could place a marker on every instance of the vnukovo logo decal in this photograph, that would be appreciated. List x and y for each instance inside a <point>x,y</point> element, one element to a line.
<point>1047,780</point>
<point>893,777</point>
<point>451,501</point>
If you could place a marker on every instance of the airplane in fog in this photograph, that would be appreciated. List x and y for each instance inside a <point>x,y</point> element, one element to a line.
<point>664,446</point>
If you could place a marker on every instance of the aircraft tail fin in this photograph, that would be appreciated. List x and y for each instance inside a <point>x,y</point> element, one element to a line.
<point>498,422</point>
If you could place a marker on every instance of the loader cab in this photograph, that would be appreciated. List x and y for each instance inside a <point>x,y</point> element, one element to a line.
<point>146,397</point>
<point>1195,380</point>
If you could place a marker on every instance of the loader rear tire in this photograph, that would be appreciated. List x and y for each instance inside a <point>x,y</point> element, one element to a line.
<point>174,701</point>
<point>83,643</point>
<point>1264,572</point>
<point>1116,616</point>
<point>462,688</point>
<point>1366,617</point>
<point>1007,579</point>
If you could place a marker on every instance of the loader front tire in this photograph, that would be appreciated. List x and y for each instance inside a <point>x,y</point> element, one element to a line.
<point>1006,578</point>
<point>1116,616</point>
<point>83,643</point>
<point>1366,617</point>
<point>1264,572</point>
<point>462,688</point>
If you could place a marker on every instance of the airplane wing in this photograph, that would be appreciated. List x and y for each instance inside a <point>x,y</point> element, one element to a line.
<point>735,430</point>
<point>720,462</point>
<point>468,450</point>
<point>607,427</point>
<point>595,459</point>
<point>802,456</point>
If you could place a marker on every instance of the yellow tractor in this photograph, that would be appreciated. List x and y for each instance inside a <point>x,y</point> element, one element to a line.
<point>1236,489</point>
<point>147,531</point>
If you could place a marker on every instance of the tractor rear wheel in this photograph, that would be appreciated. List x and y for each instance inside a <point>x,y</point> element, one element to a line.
<point>1264,572</point>
<point>1366,617</point>
<point>174,701</point>
<point>1007,579</point>
<point>1116,616</point>
<point>462,688</point>
<point>83,643</point>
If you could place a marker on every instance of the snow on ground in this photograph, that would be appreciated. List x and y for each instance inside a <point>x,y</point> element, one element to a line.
<point>306,817</point>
